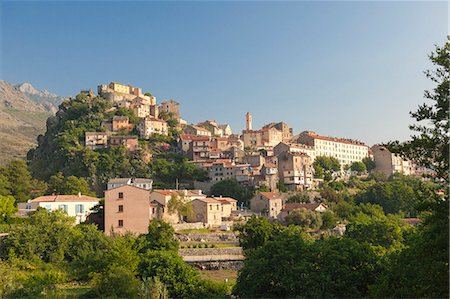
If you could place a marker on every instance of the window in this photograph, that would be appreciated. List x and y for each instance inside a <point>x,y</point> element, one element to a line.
<point>48,207</point>
<point>217,207</point>
<point>120,208</point>
<point>120,195</point>
<point>120,223</point>
<point>64,207</point>
<point>210,207</point>
<point>79,209</point>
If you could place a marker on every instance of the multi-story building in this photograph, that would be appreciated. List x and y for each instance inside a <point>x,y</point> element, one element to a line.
<point>150,125</point>
<point>199,148</point>
<point>121,123</point>
<point>289,207</point>
<point>196,130</point>
<point>224,169</point>
<point>137,182</point>
<point>172,107</point>
<point>129,142</point>
<point>219,143</point>
<point>117,92</point>
<point>264,138</point>
<point>295,170</point>
<point>96,140</point>
<point>287,132</point>
<point>127,209</point>
<point>389,163</point>
<point>140,107</point>
<point>77,206</point>
<point>346,151</point>
<point>268,204</point>
<point>294,148</point>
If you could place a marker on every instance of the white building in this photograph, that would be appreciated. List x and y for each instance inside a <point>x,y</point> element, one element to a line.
<point>346,151</point>
<point>389,163</point>
<point>150,125</point>
<point>78,206</point>
<point>137,182</point>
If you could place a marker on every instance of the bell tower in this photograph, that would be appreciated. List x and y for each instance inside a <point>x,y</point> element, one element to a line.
<point>248,121</point>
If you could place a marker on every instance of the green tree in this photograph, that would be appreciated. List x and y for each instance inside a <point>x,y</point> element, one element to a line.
<point>232,189</point>
<point>289,267</point>
<point>399,194</point>
<point>7,208</point>
<point>255,232</point>
<point>305,218</point>
<point>46,237</point>
<point>369,163</point>
<point>19,179</point>
<point>116,282</point>
<point>329,219</point>
<point>298,197</point>
<point>180,205</point>
<point>71,185</point>
<point>160,236</point>
<point>153,288</point>
<point>358,167</point>
<point>326,166</point>
<point>371,225</point>
<point>429,147</point>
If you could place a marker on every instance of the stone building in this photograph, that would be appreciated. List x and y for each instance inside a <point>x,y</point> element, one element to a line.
<point>129,142</point>
<point>295,170</point>
<point>96,140</point>
<point>268,204</point>
<point>287,132</point>
<point>121,123</point>
<point>150,125</point>
<point>172,107</point>
<point>389,163</point>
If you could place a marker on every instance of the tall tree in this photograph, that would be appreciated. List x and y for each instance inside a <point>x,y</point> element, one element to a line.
<point>430,146</point>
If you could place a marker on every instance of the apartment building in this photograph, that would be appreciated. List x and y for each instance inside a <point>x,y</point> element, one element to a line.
<point>137,182</point>
<point>196,130</point>
<point>295,170</point>
<point>199,148</point>
<point>346,151</point>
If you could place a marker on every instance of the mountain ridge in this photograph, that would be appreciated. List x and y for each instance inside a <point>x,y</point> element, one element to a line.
<point>24,110</point>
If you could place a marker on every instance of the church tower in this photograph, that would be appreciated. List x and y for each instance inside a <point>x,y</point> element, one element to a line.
<point>248,121</point>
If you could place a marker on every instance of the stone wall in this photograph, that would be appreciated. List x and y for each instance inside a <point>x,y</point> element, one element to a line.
<point>208,238</point>
<point>182,226</point>
<point>222,265</point>
<point>210,251</point>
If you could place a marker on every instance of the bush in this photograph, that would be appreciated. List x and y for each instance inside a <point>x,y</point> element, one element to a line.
<point>116,281</point>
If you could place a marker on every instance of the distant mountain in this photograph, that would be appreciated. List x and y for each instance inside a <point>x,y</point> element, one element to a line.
<point>23,114</point>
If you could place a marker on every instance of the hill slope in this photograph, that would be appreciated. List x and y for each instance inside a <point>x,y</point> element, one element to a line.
<point>23,114</point>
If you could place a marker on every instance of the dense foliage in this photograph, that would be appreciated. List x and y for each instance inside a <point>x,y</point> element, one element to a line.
<point>232,189</point>
<point>324,167</point>
<point>49,251</point>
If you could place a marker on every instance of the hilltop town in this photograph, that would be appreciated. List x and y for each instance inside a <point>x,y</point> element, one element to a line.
<point>271,164</point>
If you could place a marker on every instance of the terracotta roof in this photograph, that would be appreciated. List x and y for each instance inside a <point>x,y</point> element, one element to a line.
<point>272,195</point>
<point>296,205</point>
<point>227,199</point>
<point>208,200</point>
<point>165,192</point>
<point>335,139</point>
<point>270,165</point>
<point>186,136</point>
<point>67,198</point>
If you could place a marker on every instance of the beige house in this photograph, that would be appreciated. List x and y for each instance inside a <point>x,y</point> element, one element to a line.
<point>294,148</point>
<point>389,163</point>
<point>127,209</point>
<point>207,210</point>
<point>161,198</point>
<point>121,123</point>
<point>295,170</point>
<point>95,140</point>
<point>197,130</point>
<point>227,206</point>
<point>289,207</point>
<point>199,148</point>
<point>264,138</point>
<point>268,204</point>
<point>140,107</point>
<point>150,125</point>
<point>77,206</point>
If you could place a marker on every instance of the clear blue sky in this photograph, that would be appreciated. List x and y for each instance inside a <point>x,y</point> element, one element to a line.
<point>346,69</point>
